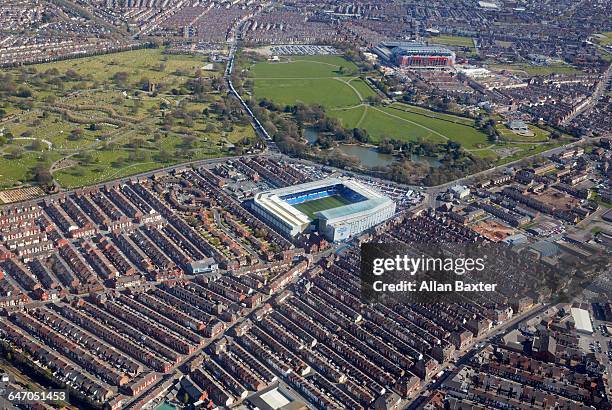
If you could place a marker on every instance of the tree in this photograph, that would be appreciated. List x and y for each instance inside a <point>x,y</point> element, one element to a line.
<point>15,152</point>
<point>24,92</point>
<point>144,84</point>
<point>137,142</point>
<point>37,145</point>
<point>76,134</point>
<point>360,134</point>
<point>373,99</point>
<point>42,175</point>
<point>164,156</point>
<point>72,75</point>
<point>490,130</point>
<point>120,78</point>
<point>87,158</point>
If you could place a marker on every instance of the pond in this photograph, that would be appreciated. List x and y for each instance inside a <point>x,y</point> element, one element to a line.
<point>369,156</point>
<point>311,135</point>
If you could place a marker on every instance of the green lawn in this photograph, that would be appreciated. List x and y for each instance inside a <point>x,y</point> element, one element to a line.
<point>69,96</point>
<point>14,172</point>
<point>382,123</point>
<point>457,41</point>
<point>329,92</point>
<point>323,204</point>
<point>540,135</point>
<point>534,70</point>
<point>327,80</point>
<point>527,150</point>
<point>150,63</point>
<point>303,67</point>
<point>319,80</point>
<point>361,87</point>
<point>351,116</point>
<point>430,113</point>
<point>607,40</point>
<point>394,122</point>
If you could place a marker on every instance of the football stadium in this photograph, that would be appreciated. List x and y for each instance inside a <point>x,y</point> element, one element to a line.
<point>415,55</point>
<point>336,208</point>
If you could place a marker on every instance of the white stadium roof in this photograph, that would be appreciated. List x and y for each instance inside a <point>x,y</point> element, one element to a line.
<point>272,201</point>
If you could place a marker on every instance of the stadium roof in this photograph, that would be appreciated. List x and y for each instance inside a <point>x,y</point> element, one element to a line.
<point>282,209</point>
<point>349,183</point>
<point>412,47</point>
<point>353,210</point>
<point>272,200</point>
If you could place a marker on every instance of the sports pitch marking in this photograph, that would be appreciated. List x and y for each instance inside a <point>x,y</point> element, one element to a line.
<point>322,204</point>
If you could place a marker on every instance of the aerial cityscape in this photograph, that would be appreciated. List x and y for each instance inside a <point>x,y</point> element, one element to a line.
<point>286,205</point>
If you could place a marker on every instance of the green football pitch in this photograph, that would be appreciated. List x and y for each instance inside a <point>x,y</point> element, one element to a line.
<point>311,207</point>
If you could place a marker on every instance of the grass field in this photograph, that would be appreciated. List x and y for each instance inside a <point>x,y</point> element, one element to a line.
<point>534,70</point>
<point>456,42</point>
<point>161,68</point>
<point>303,67</point>
<point>308,91</point>
<point>320,80</point>
<point>323,204</point>
<point>333,82</point>
<point>130,128</point>
<point>607,38</point>
<point>406,123</point>
<point>326,80</point>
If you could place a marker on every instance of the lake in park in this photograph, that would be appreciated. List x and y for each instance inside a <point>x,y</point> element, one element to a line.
<point>369,156</point>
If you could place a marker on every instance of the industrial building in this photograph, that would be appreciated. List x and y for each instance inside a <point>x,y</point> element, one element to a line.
<point>336,208</point>
<point>415,55</point>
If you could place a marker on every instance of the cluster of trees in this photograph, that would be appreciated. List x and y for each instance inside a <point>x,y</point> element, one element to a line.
<point>228,108</point>
<point>42,175</point>
<point>466,164</point>
<point>354,55</point>
<point>487,125</point>
<point>76,134</point>
<point>12,87</point>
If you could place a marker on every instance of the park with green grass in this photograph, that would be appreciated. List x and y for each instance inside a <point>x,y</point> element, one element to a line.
<point>334,83</point>
<point>341,89</point>
<point>93,119</point>
<point>530,70</point>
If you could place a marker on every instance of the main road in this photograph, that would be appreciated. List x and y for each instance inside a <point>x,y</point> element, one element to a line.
<point>233,41</point>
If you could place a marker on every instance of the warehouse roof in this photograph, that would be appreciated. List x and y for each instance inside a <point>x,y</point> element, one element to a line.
<point>582,320</point>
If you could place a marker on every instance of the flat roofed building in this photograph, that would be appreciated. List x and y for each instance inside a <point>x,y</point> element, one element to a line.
<point>518,125</point>
<point>582,320</point>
